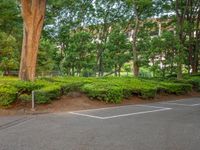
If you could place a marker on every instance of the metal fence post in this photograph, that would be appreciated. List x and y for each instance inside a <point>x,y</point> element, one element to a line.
<point>33,101</point>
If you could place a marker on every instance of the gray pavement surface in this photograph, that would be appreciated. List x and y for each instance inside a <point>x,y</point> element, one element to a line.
<point>156,126</point>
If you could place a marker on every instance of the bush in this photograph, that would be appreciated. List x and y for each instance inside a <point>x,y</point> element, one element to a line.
<point>25,97</point>
<point>109,89</point>
<point>26,87</point>
<point>103,92</point>
<point>46,94</point>
<point>195,81</point>
<point>69,87</point>
<point>175,88</point>
<point>142,88</point>
<point>8,95</point>
<point>148,93</point>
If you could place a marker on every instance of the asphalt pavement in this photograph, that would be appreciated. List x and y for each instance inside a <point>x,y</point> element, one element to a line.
<point>171,125</point>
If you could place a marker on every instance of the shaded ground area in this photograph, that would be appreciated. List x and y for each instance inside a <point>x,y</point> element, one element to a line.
<point>78,101</point>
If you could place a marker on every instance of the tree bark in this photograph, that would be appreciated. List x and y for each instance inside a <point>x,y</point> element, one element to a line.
<point>197,45</point>
<point>33,13</point>
<point>181,17</point>
<point>179,71</point>
<point>119,71</point>
<point>116,70</point>
<point>134,46</point>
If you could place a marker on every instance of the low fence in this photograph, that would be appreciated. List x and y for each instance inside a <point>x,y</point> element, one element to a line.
<point>38,74</point>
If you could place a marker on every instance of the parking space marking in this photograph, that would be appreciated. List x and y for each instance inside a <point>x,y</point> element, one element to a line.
<point>181,104</point>
<point>137,113</point>
<point>185,99</point>
<point>107,108</point>
<point>91,116</point>
<point>196,104</point>
<point>121,115</point>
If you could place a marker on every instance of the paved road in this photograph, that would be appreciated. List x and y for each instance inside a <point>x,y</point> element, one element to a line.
<point>158,126</point>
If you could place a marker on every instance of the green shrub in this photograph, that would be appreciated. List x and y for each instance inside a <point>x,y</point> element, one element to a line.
<point>8,95</point>
<point>103,92</point>
<point>26,87</point>
<point>114,95</point>
<point>109,89</point>
<point>25,98</point>
<point>175,88</point>
<point>142,88</point>
<point>68,87</point>
<point>195,81</point>
<point>191,80</point>
<point>115,89</point>
<point>128,93</point>
<point>148,93</point>
<point>46,94</point>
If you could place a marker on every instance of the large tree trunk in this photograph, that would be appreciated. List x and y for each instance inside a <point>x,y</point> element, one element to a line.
<point>33,13</point>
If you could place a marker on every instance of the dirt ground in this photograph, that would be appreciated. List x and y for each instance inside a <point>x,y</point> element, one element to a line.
<point>78,101</point>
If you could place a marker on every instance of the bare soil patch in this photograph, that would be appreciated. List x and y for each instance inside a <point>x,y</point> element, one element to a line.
<point>78,101</point>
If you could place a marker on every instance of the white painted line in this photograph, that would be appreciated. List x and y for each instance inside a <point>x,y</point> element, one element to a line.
<point>150,106</point>
<point>185,99</point>
<point>189,105</point>
<point>91,116</point>
<point>87,110</point>
<point>175,104</point>
<point>196,104</point>
<point>137,113</point>
<point>117,107</point>
<point>122,115</point>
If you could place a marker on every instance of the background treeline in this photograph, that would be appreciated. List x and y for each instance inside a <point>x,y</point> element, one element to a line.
<point>153,38</point>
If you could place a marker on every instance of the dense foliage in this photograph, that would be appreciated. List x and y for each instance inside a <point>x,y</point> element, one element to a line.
<point>156,39</point>
<point>99,38</point>
<point>109,89</point>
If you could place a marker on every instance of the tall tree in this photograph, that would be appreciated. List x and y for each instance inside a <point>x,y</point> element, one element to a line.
<point>79,56</point>
<point>107,13</point>
<point>10,30</point>
<point>187,25</point>
<point>118,50</point>
<point>141,9</point>
<point>33,13</point>
<point>8,53</point>
<point>193,31</point>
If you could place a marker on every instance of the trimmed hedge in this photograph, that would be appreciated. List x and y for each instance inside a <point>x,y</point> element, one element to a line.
<point>25,97</point>
<point>46,94</point>
<point>195,81</point>
<point>27,87</point>
<point>113,94</point>
<point>55,88</point>
<point>175,88</point>
<point>109,89</point>
<point>115,89</point>
<point>8,95</point>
